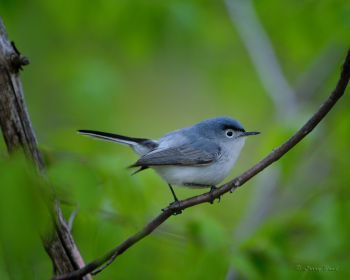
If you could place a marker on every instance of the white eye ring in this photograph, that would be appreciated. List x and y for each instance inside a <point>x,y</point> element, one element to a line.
<point>229,133</point>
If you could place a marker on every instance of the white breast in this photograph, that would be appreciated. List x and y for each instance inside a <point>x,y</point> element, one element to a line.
<point>207,175</point>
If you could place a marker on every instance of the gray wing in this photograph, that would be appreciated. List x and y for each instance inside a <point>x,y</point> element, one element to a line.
<point>183,155</point>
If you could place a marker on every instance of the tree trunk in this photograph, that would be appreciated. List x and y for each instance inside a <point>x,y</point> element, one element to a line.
<point>18,133</point>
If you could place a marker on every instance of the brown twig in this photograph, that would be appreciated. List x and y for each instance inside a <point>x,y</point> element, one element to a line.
<point>230,186</point>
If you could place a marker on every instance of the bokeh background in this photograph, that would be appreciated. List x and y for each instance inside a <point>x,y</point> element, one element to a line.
<point>143,68</point>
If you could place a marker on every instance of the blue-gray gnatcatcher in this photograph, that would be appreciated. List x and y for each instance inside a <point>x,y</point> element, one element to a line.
<point>201,155</point>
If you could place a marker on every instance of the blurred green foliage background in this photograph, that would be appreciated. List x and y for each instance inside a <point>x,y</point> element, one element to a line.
<point>143,68</point>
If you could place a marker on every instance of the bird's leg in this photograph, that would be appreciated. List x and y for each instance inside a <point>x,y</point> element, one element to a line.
<point>212,188</point>
<point>176,201</point>
<point>172,191</point>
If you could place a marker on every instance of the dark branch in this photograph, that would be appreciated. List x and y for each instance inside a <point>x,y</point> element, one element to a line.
<point>230,186</point>
<point>14,118</point>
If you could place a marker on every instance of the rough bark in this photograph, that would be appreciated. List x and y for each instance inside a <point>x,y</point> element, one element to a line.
<point>18,134</point>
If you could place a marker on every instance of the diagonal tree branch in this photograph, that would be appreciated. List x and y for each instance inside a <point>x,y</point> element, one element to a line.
<point>244,16</point>
<point>275,155</point>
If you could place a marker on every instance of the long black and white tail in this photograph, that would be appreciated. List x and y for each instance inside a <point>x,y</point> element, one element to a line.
<point>141,146</point>
<point>112,137</point>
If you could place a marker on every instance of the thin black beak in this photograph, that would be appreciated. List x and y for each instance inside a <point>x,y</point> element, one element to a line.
<point>247,133</point>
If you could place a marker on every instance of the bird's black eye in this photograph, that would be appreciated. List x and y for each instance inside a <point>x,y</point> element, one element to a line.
<point>229,133</point>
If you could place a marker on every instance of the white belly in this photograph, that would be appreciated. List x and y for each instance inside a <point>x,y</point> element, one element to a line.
<point>200,175</point>
<point>206,175</point>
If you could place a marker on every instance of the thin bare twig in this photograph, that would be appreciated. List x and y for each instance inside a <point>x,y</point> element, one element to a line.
<point>256,40</point>
<point>230,186</point>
